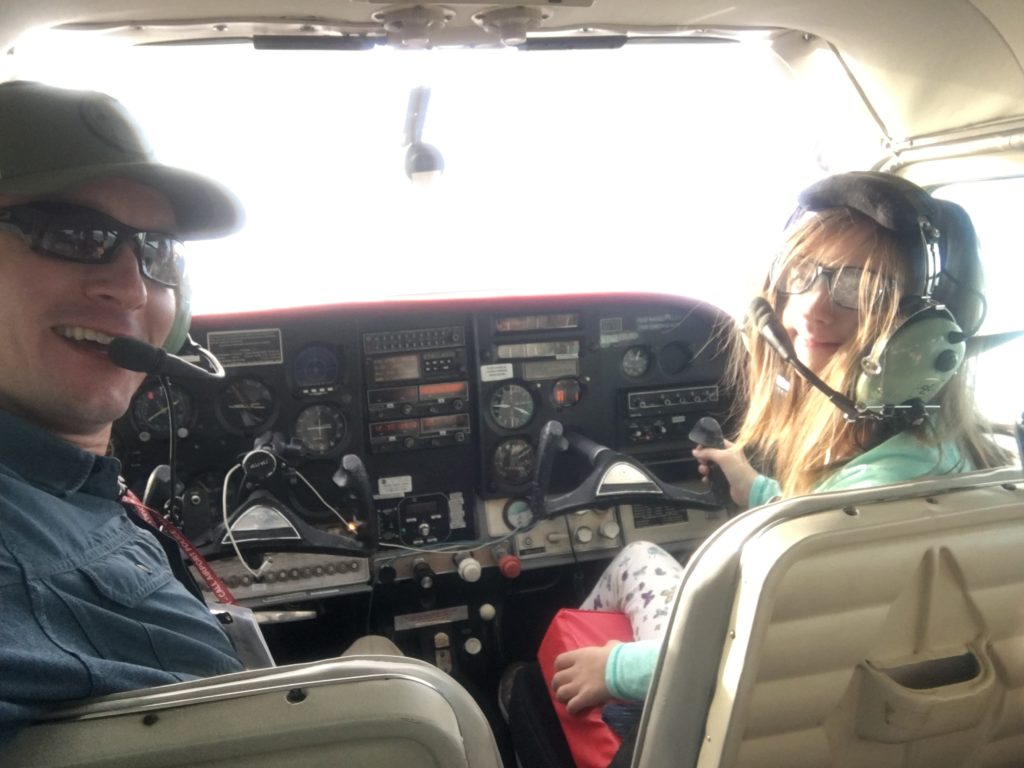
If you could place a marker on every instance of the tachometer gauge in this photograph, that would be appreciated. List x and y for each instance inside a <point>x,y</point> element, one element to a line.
<point>636,362</point>
<point>565,393</point>
<point>514,460</point>
<point>320,427</point>
<point>246,405</point>
<point>512,406</point>
<point>518,514</point>
<point>149,410</point>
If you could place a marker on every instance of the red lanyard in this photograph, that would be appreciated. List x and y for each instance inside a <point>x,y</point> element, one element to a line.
<point>160,523</point>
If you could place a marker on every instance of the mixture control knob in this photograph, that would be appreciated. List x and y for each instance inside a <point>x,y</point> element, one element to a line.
<point>584,534</point>
<point>510,566</point>
<point>469,567</point>
<point>473,646</point>
<point>609,529</point>
<point>423,574</point>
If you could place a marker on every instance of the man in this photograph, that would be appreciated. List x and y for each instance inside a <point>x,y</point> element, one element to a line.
<point>88,229</point>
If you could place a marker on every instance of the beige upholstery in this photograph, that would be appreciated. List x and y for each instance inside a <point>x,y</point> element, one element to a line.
<point>357,712</point>
<point>819,633</point>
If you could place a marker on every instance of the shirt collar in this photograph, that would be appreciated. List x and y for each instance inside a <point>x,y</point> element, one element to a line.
<point>44,460</point>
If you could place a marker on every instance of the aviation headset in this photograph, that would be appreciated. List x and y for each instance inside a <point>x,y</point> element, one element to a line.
<point>182,316</point>
<point>944,298</point>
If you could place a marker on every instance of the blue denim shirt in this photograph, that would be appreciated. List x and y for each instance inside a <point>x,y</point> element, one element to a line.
<point>88,603</point>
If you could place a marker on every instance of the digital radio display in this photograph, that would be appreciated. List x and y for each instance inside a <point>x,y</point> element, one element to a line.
<point>390,430</point>
<point>439,425</point>
<point>396,368</point>
<point>444,391</point>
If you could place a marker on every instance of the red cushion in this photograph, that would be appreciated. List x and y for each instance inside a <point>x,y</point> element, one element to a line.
<point>592,743</point>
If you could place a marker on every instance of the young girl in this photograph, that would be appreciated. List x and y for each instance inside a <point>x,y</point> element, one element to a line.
<point>849,275</point>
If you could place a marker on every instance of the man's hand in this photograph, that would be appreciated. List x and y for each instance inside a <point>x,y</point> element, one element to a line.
<point>734,465</point>
<point>579,679</point>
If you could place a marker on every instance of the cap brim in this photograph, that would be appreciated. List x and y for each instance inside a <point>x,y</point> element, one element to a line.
<point>203,208</point>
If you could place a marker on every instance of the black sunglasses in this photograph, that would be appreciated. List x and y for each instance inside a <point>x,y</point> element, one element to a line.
<point>86,236</point>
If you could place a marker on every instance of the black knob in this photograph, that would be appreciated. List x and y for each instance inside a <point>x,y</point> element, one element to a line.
<point>387,574</point>
<point>423,574</point>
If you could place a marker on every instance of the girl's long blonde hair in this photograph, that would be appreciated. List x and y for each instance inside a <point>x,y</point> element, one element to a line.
<point>789,429</point>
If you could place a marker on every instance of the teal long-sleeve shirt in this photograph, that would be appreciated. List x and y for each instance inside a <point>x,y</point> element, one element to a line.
<point>899,459</point>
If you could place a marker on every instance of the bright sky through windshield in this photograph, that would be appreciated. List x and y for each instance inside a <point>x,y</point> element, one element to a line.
<point>666,168</point>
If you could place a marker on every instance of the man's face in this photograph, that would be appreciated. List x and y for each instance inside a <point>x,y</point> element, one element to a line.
<point>68,386</point>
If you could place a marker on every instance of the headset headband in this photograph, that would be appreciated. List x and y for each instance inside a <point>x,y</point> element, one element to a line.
<point>895,204</point>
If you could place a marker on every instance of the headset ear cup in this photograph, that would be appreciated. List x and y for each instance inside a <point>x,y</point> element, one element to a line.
<point>182,318</point>
<point>918,359</point>
<point>961,284</point>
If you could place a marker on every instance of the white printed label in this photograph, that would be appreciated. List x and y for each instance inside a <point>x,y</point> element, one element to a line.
<point>394,486</point>
<point>496,372</point>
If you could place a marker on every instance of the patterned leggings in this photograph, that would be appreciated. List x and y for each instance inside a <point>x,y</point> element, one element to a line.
<point>640,582</point>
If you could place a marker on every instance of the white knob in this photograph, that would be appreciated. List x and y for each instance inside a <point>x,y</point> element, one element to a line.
<point>610,529</point>
<point>487,612</point>
<point>469,569</point>
<point>584,535</point>
<point>473,646</point>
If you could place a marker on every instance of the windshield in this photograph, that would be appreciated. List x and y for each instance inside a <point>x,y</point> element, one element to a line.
<point>668,168</point>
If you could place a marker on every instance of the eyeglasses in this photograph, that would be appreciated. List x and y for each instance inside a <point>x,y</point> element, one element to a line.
<point>843,282</point>
<point>86,236</point>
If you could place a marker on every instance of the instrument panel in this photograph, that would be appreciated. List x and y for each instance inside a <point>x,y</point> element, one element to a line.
<point>442,403</point>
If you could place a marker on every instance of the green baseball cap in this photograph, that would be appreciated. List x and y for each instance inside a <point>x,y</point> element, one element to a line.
<point>52,139</point>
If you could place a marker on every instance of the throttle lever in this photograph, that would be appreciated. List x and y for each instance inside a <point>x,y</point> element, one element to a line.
<point>707,431</point>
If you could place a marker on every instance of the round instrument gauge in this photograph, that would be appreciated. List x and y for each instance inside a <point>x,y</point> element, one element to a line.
<point>320,428</point>
<point>512,406</point>
<point>517,514</point>
<point>246,405</point>
<point>514,460</point>
<point>565,393</point>
<point>674,358</point>
<point>149,409</point>
<point>316,368</point>
<point>636,362</point>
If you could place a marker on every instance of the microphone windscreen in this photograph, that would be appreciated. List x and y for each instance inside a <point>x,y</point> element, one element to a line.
<point>760,312</point>
<point>767,323</point>
<point>134,355</point>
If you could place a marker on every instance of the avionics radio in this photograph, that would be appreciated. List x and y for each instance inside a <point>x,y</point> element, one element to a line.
<point>418,392</point>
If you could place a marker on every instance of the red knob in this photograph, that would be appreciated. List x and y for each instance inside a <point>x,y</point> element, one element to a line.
<point>510,566</point>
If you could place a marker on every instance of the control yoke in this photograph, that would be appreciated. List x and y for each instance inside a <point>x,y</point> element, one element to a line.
<point>614,479</point>
<point>352,475</point>
<point>263,522</point>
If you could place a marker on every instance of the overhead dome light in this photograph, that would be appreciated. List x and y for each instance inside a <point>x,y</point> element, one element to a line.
<point>511,24</point>
<point>412,27</point>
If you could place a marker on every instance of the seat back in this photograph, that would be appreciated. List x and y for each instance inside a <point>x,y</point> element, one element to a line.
<point>359,711</point>
<point>881,627</point>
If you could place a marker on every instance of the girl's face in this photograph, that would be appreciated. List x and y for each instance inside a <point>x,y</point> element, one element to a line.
<point>820,311</point>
